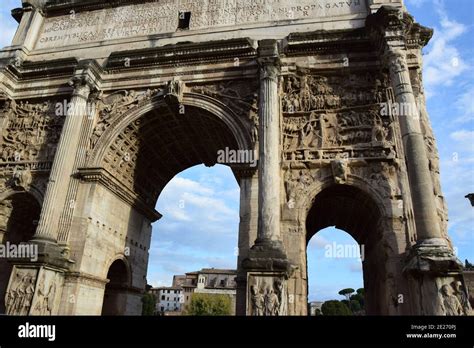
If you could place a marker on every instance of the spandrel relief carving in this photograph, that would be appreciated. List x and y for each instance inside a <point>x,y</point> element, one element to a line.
<point>297,182</point>
<point>114,105</point>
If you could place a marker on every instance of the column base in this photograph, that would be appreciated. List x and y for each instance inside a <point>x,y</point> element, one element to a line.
<point>436,281</point>
<point>267,255</point>
<point>49,253</point>
<point>432,255</point>
<point>265,274</point>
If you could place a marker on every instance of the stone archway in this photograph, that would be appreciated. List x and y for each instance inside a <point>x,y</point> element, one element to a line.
<point>316,103</point>
<point>354,211</point>
<point>115,294</point>
<point>133,159</point>
<point>19,214</point>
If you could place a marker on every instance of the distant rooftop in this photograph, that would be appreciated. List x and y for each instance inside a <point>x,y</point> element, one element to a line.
<point>215,271</point>
<point>167,288</point>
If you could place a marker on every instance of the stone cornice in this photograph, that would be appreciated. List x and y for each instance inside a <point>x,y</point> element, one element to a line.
<point>394,28</point>
<point>325,42</point>
<point>183,54</point>
<point>103,177</point>
<point>40,70</point>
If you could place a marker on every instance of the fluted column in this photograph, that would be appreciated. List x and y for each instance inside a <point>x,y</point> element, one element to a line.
<point>269,145</point>
<point>419,175</point>
<point>63,164</point>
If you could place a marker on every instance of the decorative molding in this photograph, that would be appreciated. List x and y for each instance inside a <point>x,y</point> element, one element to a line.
<point>182,54</point>
<point>103,177</point>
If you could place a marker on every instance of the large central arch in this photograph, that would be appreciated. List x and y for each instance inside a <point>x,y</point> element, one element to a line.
<point>139,152</point>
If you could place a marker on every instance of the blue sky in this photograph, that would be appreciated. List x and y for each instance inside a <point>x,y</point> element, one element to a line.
<point>200,206</point>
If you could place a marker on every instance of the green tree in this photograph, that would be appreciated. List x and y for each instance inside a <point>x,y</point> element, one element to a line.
<point>346,292</point>
<point>209,304</point>
<point>359,298</point>
<point>355,306</point>
<point>335,307</point>
<point>149,303</point>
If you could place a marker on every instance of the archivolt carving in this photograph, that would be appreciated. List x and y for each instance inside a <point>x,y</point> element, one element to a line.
<point>240,96</point>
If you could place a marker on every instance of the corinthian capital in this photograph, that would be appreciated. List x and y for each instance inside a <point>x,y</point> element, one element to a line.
<point>269,59</point>
<point>270,71</point>
<point>83,85</point>
<point>396,60</point>
<point>389,26</point>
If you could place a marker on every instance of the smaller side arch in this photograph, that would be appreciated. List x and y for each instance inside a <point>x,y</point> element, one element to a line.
<point>305,204</point>
<point>116,290</point>
<point>128,267</point>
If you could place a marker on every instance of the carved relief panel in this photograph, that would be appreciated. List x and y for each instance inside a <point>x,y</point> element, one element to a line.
<point>31,131</point>
<point>326,118</point>
<point>48,293</point>
<point>30,135</point>
<point>21,291</point>
<point>268,294</point>
<point>33,291</point>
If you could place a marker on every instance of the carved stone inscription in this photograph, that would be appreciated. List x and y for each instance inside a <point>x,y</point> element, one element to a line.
<point>163,17</point>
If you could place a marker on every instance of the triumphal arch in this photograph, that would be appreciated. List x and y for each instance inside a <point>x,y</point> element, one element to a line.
<point>102,103</point>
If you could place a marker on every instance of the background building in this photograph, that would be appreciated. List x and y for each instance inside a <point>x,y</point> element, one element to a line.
<point>210,281</point>
<point>169,300</point>
<point>315,308</point>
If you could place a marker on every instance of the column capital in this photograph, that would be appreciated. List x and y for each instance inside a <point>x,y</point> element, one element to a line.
<point>396,60</point>
<point>83,85</point>
<point>392,27</point>
<point>389,26</point>
<point>269,59</point>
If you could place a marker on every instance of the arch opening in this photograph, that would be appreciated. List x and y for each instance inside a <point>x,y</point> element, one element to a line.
<point>334,262</point>
<point>354,211</point>
<point>19,216</point>
<point>196,238</point>
<point>115,295</point>
<point>145,156</point>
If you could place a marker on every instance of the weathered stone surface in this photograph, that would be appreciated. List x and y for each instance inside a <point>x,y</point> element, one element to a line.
<point>310,87</point>
<point>163,18</point>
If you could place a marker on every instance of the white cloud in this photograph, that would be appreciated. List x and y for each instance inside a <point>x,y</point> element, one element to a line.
<point>318,242</point>
<point>465,104</point>
<point>463,135</point>
<point>443,62</point>
<point>464,142</point>
<point>355,267</point>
